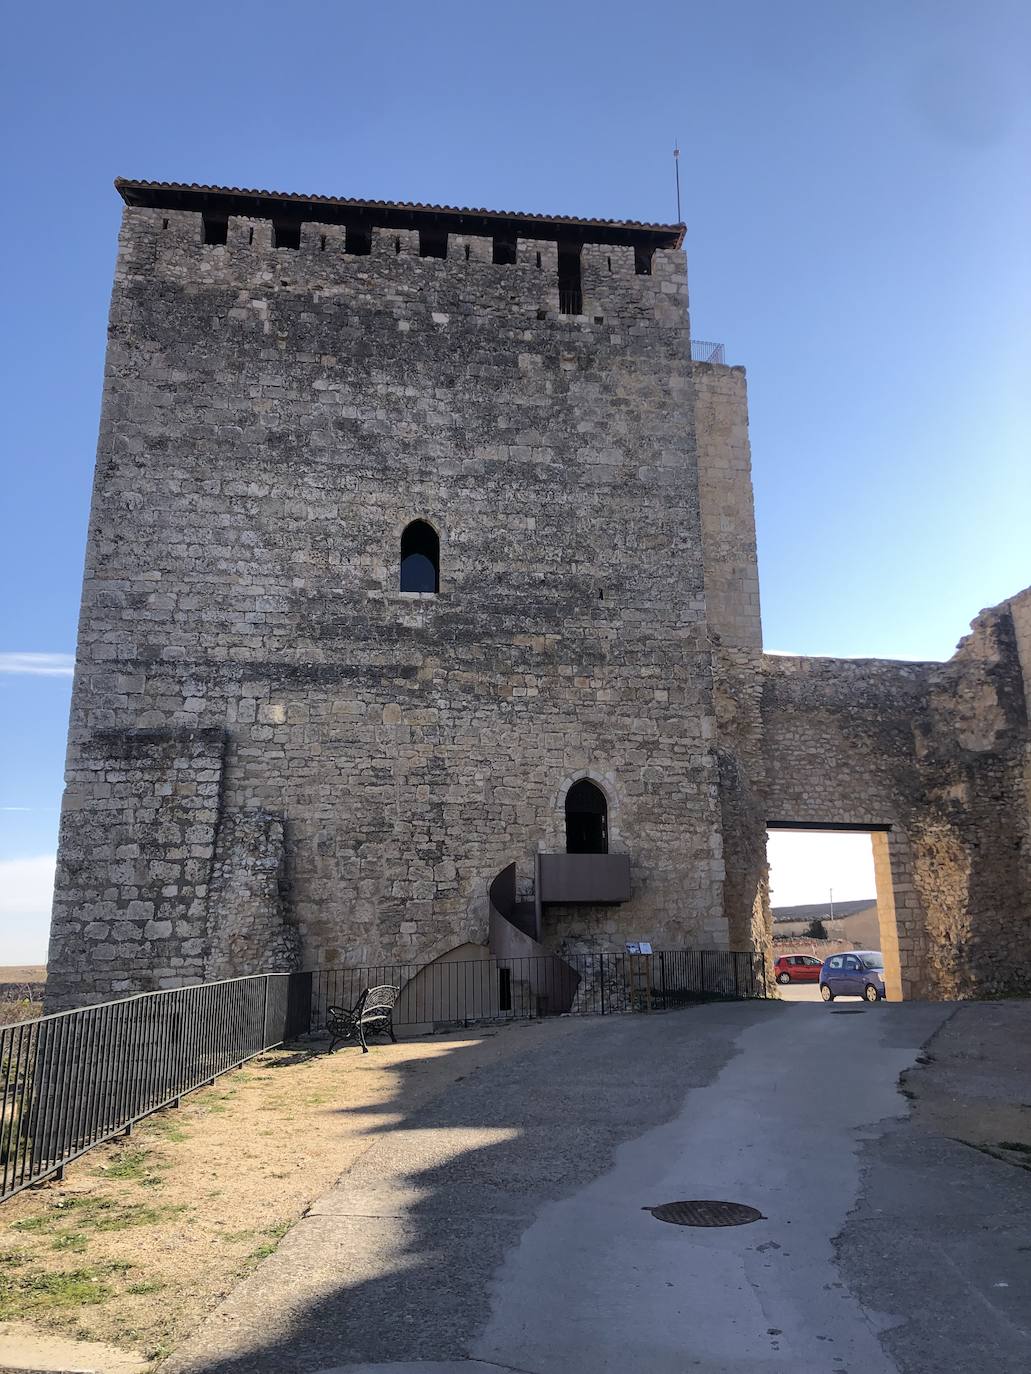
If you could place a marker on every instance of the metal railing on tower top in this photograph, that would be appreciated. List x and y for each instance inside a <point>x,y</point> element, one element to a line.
<point>702,351</point>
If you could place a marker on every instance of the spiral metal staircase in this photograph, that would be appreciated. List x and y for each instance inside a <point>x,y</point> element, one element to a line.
<point>514,929</point>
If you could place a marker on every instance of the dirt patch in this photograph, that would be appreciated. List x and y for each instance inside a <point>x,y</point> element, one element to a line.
<point>973,1081</point>
<point>147,1235</point>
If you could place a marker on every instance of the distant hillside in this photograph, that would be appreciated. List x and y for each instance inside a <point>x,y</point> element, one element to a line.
<point>23,973</point>
<point>822,910</point>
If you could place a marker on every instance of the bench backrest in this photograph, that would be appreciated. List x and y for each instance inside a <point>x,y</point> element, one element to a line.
<point>380,1000</point>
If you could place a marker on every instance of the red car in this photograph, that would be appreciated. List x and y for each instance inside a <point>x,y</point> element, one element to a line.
<point>797,968</point>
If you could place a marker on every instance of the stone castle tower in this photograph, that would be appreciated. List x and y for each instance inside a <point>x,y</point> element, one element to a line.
<point>421,615</point>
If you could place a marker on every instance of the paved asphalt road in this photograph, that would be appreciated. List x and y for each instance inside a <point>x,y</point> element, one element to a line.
<point>503,1227</point>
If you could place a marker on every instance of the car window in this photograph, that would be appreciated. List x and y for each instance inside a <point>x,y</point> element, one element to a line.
<point>852,963</point>
<point>836,962</point>
<point>874,961</point>
<point>813,963</point>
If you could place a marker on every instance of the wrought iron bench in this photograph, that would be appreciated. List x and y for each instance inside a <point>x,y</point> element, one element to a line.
<point>374,1011</point>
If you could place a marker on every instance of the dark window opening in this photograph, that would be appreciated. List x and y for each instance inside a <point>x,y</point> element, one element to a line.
<point>542,314</point>
<point>397,245</point>
<point>538,262</point>
<point>609,261</point>
<point>164,224</point>
<point>504,989</point>
<point>358,240</point>
<point>570,287</point>
<point>322,243</point>
<point>587,819</point>
<point>420,558</point>
<point>286,235</point>
<point>643,261</point>
<point>468,253</point>
<point>215,230</point>
<point>432,243</point>
<point>505,250</point>
<point>250,234</point>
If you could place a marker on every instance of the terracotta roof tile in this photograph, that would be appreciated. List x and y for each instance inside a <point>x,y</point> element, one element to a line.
<point>169,194</point>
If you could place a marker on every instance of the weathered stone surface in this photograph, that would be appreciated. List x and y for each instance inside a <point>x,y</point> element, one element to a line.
<point>248,925</point>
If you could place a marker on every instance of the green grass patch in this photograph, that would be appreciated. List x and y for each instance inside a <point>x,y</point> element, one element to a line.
<point>79,1212</point>
<point>169,1128</point>
<point>275,1234</point>
<point>135,1163</point>
<point>35,1291</point>
<point>70,1240</point>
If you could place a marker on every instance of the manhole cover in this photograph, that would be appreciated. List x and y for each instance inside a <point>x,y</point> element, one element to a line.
<point>705,1213</point>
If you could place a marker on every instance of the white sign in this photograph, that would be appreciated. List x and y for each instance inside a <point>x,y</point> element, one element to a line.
<point>638,947</point>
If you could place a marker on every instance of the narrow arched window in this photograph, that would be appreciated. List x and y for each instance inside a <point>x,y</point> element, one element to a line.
<point>587,819</point>
<point>420,558</point>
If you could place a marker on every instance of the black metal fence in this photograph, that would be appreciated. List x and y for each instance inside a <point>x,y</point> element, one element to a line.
<point>452,992</point>
<point>70,1081</point>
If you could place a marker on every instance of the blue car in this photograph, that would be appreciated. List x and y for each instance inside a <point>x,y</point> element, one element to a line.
<point>860,973</point>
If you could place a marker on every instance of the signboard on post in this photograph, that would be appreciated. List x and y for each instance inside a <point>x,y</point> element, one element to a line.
<point>638,974</point>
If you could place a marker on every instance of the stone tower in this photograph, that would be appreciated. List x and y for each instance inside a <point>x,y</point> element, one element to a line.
<point>278,750</point>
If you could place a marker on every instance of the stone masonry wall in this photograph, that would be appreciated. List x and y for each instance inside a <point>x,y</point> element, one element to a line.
<point>934,756</point>
<point>732,612</point>
<point>138,830</point>
<point>272,420</point>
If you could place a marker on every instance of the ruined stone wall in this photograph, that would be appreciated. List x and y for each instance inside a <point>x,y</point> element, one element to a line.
<point>933,757</point>
<point>272,420</point>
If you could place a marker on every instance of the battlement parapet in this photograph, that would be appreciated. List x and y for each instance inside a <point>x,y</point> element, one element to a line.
<point>587,270</point>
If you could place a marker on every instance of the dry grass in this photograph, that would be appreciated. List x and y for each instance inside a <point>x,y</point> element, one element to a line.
<point>18,1007</point>
<point>23,1010</point>
<point>147,1235</point>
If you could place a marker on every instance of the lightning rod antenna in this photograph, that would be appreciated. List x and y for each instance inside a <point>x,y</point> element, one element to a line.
<point>676,172</point>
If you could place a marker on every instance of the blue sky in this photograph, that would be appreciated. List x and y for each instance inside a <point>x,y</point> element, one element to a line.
<point>856,192</point>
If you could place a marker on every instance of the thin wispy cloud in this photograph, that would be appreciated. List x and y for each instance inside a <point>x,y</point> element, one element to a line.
<point>37,665</point>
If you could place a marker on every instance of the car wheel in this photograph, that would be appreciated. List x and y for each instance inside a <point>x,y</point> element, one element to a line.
<point>826,993</point>
<point>870,993</point>
<point>783,977</point>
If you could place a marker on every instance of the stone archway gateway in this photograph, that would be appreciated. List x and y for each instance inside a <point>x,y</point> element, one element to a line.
<point>898,980</point>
